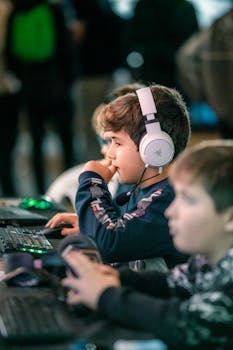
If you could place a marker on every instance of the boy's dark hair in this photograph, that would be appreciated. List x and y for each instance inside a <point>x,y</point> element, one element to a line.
<point>211,164</point>
<point>117,92</point>
<point>122,90</point>
<point>124,113</point>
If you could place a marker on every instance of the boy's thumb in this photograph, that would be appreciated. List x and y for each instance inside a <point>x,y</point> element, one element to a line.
<point>112,169</point>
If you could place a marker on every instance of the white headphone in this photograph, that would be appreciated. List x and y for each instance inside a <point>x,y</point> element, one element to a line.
<point>156,146</point>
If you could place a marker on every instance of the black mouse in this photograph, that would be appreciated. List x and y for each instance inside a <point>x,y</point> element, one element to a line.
<point>53,232</point>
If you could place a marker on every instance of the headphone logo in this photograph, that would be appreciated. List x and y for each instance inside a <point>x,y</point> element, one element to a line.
<point>156,146</point>
<point>159,152</point>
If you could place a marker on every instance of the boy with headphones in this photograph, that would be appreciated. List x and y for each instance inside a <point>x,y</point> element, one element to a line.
<point>191,306</point>
<point>147,130</point>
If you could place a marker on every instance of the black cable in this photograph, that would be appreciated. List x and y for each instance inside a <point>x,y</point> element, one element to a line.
<point>123,197</point>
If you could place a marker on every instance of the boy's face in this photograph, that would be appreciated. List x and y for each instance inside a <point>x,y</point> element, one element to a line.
<point>125,157</point>
<point>194,223</point>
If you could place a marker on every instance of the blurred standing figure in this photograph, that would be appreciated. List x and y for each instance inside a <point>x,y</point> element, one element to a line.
<point>39,51</point>
<point>9,89</point>
<point>98,56</point>
<point>153,35</point>
<point>205,69</point>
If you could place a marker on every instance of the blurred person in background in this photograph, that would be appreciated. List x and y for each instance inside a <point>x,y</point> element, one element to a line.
<point>9,110</point>
<point>39,52</point>
<point>205,70</point>
<point>152,36</point>
<point>97,35</point>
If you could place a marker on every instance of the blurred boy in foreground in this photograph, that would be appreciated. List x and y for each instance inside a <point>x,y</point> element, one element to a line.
<point>190,306</point>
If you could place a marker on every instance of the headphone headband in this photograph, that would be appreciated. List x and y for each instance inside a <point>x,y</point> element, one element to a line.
<point>146,101</point>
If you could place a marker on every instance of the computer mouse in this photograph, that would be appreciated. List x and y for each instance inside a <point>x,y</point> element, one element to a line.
<point>36,203</point>
<point>41,204</point>
<point>53,232</point>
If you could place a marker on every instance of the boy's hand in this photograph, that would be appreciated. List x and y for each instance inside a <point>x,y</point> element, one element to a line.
<point>104,168</point>
<point>62,219</point>
<point>92,280</point>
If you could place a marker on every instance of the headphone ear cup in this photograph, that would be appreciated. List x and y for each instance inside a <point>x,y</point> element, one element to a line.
<point>156,150</point>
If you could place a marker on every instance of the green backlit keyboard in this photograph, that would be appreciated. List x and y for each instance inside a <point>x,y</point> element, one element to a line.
<point>23,239</point>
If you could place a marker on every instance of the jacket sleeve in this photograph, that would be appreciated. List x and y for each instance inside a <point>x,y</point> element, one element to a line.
<point>197,321</point>
<point>140,234</point>
<point>149,282</point>
<point>177,282</point>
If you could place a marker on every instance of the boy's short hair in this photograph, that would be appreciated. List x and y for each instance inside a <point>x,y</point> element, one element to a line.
<point>211,164</point>
<point>117,92</point>
<point>123,90</point>
<point>124,113</point>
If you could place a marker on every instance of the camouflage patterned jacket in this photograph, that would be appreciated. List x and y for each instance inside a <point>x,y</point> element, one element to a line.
<point>190,307</point>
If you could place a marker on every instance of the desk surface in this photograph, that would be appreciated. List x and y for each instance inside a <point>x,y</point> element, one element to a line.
<point>88,325</point>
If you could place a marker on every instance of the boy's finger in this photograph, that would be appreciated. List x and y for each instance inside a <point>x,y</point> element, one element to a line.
<point>112,169</point>
<point>78,261</point>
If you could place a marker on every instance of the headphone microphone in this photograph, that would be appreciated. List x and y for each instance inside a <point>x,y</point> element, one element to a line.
<point>123,197</point>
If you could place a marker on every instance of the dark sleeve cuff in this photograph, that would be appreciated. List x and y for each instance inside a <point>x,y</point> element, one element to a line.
<point>130,309</point>
<point>148,282</point>
<point>87,175</point>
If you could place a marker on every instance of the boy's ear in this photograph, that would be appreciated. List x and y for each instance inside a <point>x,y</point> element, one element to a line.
<point>229,219</point>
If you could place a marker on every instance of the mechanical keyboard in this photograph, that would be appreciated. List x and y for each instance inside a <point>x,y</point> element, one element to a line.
<point>23,239</point>
<point>34,318</point>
